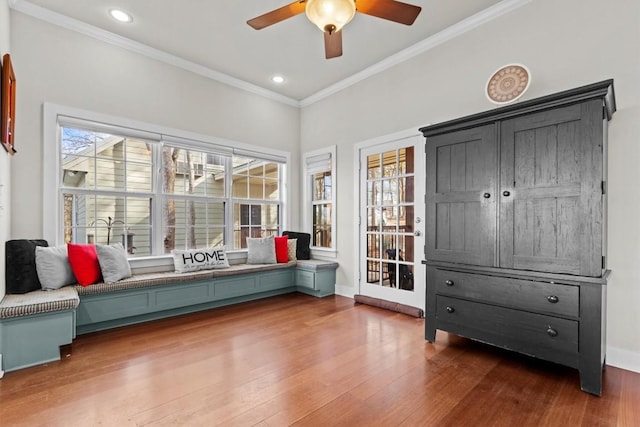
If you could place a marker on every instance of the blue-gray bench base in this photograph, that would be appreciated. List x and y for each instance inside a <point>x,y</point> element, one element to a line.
<point>33,326</point>
<point>108,310</point>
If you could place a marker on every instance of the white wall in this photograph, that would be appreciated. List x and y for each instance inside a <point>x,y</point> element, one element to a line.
<point>565,44</point>
<point>56,65</point>
<point>5,159</point>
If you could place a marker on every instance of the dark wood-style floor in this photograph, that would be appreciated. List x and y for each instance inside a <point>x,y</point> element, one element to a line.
<point>299,360</point>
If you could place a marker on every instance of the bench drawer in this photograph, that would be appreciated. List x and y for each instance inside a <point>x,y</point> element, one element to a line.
<point>541,297</point>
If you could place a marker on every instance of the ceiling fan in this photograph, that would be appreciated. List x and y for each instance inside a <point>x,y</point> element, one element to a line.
<point>331,15</point>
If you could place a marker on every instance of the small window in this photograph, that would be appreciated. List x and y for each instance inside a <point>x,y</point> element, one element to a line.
<point>320,189</point>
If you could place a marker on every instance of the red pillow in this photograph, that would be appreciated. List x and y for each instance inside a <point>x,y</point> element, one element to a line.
<point>282,249</point>
<point>84,263</point>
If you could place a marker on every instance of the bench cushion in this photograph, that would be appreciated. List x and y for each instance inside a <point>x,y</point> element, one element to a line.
<point>165,278</point>
<point>37,302</point>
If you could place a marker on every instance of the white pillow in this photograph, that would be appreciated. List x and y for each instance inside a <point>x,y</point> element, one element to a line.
<point>200,259</point>
<point>52,265</point>
<point>261,250</point>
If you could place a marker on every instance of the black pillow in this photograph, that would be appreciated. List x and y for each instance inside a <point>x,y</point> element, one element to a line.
<point>304,240</point>
<point>20,272</point>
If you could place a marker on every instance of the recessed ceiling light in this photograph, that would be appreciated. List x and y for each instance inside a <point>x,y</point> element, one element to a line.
<point>277,79</point>
<point>120,15</point>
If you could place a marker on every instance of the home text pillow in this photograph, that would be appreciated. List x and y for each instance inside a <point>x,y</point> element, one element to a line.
<point>282,249</point>
<point>52,265</point>
<point>84,263</point>
<point>200,259</point>
<point>21,275</point>
<point>113,261</point>
<point>261,250</point>
<point>292,245</point>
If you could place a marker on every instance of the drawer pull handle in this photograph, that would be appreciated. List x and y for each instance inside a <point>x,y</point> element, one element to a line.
<point>553,299</point>
<point>448,282</point>
<point>450,309</point>
<point>552,332</point>
<point>486,195</point>
<point>506,193</point>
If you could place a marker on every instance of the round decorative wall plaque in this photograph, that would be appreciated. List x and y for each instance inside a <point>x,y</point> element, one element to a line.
<point>508,83</point>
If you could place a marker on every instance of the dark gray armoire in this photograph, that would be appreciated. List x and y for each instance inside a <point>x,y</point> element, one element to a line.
<point>516,228</point>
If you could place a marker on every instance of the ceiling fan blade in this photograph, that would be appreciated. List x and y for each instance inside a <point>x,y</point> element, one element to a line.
<point>391,10</point>
<point>332,44</point>
<point>277,15</point>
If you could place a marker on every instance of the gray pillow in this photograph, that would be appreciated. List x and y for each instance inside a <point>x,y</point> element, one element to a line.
<point>52,265</point>
<point>113,262</point>
<point>261,250</point>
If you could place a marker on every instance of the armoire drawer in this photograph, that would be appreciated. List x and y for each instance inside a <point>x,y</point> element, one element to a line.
<point>549,337</point>
<point>539,297</point>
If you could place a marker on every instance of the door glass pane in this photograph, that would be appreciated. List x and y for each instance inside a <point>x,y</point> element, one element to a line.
<point>390,166</point>
<point>374,219</point>
<point>374,272</point>
<point>373,246</point>
<point>405,190</point>
<point>406,161</point>
<point>389,191</point>
<point>373,166</point>
<point>373,193</point>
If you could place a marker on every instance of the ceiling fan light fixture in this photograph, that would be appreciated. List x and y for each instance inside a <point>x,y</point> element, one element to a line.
<point>330,15</point>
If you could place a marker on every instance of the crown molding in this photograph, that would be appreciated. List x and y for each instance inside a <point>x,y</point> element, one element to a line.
<point>72,24</point>
<point>429,43</point>
<point>425,45</point>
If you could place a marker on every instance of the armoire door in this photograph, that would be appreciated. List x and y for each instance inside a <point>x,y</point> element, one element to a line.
<point>551,190</point>
<point>461,196</point>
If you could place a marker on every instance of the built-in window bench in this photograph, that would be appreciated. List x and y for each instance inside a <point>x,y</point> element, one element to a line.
<point>33,326</point>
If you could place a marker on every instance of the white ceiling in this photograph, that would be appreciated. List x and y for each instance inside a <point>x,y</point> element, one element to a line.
<point>214,34</point>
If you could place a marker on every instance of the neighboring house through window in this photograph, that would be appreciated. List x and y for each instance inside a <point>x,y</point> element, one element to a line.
<point>320,205</point>
<point>155,192</point>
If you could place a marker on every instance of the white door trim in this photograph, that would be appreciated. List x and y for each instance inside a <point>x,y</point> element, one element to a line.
<point>419,175</point>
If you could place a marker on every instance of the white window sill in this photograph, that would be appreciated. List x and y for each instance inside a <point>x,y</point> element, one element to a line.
<point>323,253</point>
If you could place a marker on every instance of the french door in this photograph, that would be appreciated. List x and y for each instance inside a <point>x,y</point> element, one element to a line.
<point>391,229</point>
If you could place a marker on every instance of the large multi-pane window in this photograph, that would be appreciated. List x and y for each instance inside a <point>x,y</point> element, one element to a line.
<point>154,195</point>
<point>320,183</point>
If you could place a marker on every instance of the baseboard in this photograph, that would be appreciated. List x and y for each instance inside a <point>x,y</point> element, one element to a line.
<point>623,359</point>
<point>345,291</point>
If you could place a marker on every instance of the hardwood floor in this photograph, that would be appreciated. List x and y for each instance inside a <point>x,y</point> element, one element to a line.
<point>298,360</point>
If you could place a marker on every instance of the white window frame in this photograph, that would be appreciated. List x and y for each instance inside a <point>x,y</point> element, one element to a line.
<point>308,199</point>
<point>52,201</point>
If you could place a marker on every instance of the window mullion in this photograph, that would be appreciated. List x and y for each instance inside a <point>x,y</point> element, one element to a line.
<point>157,222</point>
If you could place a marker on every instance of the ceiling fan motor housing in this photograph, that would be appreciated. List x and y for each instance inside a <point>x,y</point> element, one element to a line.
<point>330,15</point>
